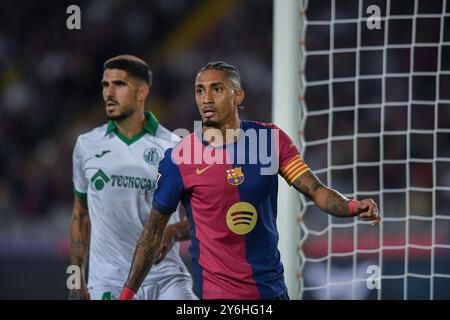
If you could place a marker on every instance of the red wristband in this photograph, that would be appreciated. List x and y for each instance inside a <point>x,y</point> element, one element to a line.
<point>127,294</point>
<point>352,206</point>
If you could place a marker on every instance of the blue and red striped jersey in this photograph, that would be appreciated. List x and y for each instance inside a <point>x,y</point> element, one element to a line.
<point>230,196</point>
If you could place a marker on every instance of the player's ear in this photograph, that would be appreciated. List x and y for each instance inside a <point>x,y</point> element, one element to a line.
<point>239,95</point>
<point>143,92</point>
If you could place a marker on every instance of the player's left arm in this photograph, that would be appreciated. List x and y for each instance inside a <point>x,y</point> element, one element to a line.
<point>333,202</point>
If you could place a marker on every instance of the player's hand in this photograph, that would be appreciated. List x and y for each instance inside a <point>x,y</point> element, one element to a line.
<point>166,243</point>
<point>79,294</point>
<point>368,211</point>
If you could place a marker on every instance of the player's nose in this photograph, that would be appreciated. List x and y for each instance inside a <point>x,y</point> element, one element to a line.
<point>207,98</point>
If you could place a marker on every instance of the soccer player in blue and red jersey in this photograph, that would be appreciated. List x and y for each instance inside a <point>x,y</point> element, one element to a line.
<point>228,184</point>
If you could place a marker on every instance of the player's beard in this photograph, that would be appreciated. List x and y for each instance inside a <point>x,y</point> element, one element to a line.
<point>210,123</point>
<point>122,115</point>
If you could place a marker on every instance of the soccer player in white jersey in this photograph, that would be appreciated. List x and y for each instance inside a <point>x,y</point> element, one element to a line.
<point>115,171</point>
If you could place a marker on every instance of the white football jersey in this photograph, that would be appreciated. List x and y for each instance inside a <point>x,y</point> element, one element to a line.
<point>118,176</point>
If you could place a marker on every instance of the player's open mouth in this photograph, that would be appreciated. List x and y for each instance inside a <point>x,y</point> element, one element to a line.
<point>209,112</point>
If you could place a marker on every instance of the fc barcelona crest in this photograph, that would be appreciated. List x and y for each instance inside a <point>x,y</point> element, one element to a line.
<point>235,176</point>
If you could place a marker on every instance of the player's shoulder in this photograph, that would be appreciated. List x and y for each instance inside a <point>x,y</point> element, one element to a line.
<point>250,124</point>
<point>169,138</point>
<point>93,136</point>
<point>185,143</point>
<point>186,140</point>
<point>266,126</point>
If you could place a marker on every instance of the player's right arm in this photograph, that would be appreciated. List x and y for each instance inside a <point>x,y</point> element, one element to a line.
<point>165,201</point>
<point>80,228</point>
<point>145,252</point>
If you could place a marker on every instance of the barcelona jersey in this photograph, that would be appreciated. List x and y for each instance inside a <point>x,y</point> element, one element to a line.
<point>230,196</point>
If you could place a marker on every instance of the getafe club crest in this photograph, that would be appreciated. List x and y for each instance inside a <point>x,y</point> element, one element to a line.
<point>235,176</point>
<point>152,156</point>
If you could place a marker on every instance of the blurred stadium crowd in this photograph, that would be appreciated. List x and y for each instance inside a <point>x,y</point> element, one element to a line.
<point>50,86</point>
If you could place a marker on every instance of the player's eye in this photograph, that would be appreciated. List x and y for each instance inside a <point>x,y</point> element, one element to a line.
<point>199,91</point>
<point>218,89</point>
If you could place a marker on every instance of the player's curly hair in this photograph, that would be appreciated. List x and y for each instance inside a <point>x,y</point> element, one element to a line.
<point>134,66</point>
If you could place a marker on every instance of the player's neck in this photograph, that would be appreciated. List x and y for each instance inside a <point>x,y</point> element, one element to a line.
<point>132,125</point>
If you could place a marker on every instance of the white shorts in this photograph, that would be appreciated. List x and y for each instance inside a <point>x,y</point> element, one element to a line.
<point>169,288</point>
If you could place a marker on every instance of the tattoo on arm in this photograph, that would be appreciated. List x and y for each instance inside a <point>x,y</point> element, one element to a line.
<point>326,199</point>
<point>146,249</point>
<point>337,204</point>
<point>79,235</point>
<point>76,245</point>
<point>79,244</point>
<point>308,184</point>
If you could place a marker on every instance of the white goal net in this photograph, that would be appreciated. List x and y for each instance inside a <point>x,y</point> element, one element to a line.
<point>375,123</point>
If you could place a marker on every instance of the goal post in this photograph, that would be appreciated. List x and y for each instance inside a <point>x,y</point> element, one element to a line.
<point>372,83</point>
<point>285,114</point>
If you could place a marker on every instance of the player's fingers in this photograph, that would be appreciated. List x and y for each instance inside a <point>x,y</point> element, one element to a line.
<point>376,221</point>
<point>367,204</point>
<point>363,207</point>
<point>375,218</point>
<point>368,213</point>
<point>370,216</point>
<point>161,254</point>
<point>158,258</point>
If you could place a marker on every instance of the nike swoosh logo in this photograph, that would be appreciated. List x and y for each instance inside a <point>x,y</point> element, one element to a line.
<point>200,171</point>
<point>102,154</point>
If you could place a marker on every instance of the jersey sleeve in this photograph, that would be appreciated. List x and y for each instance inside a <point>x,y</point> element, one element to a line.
<point>292,165</point>
<point>80,183</point>
<point>170,185</point>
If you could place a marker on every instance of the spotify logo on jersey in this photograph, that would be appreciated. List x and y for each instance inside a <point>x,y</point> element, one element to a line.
<point>241,218</point>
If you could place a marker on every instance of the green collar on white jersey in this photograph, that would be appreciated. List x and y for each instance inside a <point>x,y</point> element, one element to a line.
<point>151,126</point>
